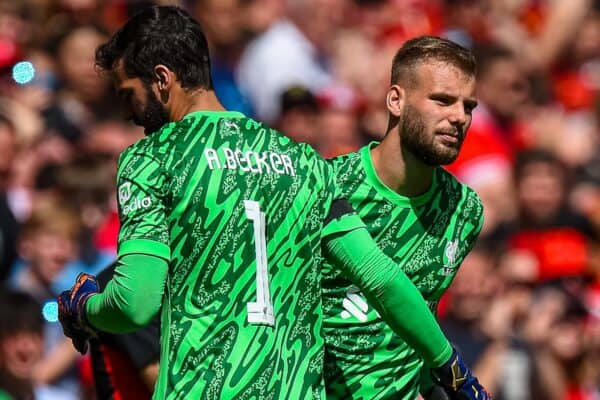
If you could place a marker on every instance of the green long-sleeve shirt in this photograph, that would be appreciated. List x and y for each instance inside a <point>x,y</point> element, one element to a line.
<point>134,295</point>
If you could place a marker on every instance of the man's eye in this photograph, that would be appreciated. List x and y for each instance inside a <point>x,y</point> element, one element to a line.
<point>442,100</point>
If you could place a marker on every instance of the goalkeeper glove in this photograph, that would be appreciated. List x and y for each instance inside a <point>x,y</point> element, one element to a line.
<point>71,311</point>
<point>456,378</point>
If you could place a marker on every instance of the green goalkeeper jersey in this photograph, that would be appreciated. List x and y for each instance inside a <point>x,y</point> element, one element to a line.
<point>238,212</point>
<point>428,236</point>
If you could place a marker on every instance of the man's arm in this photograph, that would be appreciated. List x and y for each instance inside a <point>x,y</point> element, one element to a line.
<point>349,246</point>
<point>132,297</point>
<point>390,291</point>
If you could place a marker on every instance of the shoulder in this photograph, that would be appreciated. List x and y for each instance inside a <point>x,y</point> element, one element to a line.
<point>449,182</point>
<point>348,168</point>
<point>153,146</point>
<point>471,203</point>
<point>142,158</point>
<point>345,160</point>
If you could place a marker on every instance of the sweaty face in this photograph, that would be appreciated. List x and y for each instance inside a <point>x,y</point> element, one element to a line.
<point>437,113</point>
<point>141,104</point>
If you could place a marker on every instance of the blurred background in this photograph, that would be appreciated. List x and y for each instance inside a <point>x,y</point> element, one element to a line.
<point>525,306</point>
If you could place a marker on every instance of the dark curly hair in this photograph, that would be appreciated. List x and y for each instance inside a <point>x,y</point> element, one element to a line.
<point>160,35</point>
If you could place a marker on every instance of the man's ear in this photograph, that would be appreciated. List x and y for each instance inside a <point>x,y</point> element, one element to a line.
<point>164,77</point>
<point>394,100</point>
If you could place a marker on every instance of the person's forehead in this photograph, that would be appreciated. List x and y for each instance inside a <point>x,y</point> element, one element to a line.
<point>442,75</point>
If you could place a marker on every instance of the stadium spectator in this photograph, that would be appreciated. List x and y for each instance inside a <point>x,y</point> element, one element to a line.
<point>557,239</point>
<point>82,99</point>
<point>8,223</point>
<point>222,21</point>
<point>48,242</point>
<point>339,131</point>
<point>21,343</point>
<point>299,115</point>
<point>542,95</point>
<point>293,51</point>
<point>22,348</point>
<point>561,344</point>
<point>482,320</point>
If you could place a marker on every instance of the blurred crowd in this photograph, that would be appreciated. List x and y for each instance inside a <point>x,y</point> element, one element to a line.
<point>525,306</point>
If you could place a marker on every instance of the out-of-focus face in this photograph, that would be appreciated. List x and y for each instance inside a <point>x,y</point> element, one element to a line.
<point>258,15</point>
<point>300,125</point>
<point>473,287</point>
<point>503,88</point>
<point>220,19</point>
<point>587,45</point>
<point>7,151</point>
<point>140,102</point>
<point>320,19</point>
<point>437,112</point>
<point>76,58</point>
<point>567,339</point>
<point>338,131</point>
<point>540,190</point>
<point>48,252</point>
<point>20,352</point>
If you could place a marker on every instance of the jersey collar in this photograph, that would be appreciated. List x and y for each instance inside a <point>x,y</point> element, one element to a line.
<point>386,191</point>
<point>215,114</point>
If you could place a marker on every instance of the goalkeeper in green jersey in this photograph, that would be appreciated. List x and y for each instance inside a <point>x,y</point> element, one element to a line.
<point>224,223</point>
<point>419,214</point>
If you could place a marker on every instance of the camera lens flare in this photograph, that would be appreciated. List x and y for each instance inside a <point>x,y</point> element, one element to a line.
<point>23,72</point>
<point>50,311</point>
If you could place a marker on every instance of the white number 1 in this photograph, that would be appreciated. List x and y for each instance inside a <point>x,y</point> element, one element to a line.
<point>261,311</point>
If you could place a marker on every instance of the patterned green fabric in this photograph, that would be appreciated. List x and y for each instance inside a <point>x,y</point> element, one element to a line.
<point>428,236</point>
<point>238,211</point>
<point>4,395</point>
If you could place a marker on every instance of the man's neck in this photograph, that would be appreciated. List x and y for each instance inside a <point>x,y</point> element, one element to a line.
<point>200,100</point>
<point>399,169</point>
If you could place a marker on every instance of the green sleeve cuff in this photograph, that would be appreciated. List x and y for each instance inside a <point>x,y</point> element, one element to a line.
<point>443,357</point>
<point>144,246</point>
<point>345,223</point>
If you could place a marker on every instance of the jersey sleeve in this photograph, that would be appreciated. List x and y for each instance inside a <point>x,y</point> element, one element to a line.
<point>341,218</point>
<point>142,212</point>
<point>478,221</point>
<point>142,346</point>
<point>391,292</point>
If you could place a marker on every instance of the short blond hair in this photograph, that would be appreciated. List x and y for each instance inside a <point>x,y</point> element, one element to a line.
<point>53,218</point>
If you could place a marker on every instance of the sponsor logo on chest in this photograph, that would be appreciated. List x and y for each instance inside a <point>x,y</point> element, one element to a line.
<point>450,255</point>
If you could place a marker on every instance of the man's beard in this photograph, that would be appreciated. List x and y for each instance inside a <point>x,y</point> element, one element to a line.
<point>413,137</point>
<point>154,115</point>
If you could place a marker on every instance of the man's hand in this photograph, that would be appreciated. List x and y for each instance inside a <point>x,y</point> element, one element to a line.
<point>71,311</point>
<point>456,378</point>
